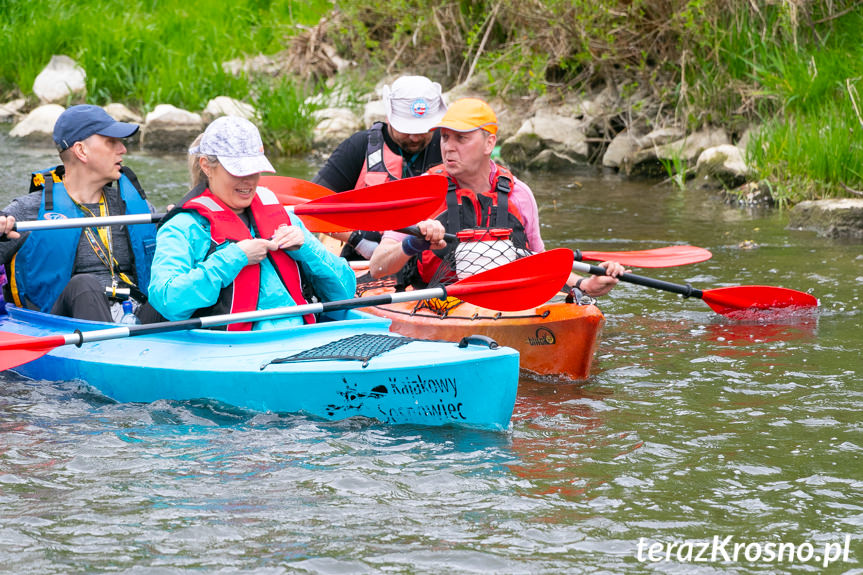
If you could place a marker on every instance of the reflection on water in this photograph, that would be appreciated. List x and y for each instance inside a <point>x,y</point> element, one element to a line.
<point>693,425</point>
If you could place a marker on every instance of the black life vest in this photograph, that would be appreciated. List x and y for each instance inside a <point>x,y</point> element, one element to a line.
<point>467,209</point>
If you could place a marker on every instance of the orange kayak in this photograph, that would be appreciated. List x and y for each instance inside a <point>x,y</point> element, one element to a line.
<point>555,339</point>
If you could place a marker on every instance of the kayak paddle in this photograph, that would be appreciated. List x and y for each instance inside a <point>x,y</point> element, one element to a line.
<point>376,208</point>
<point>518,285</point>
<point>730,301</point>
<point>291,191</point>
<point>666,257</point>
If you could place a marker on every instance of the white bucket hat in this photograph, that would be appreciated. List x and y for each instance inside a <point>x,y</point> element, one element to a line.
<point>237,144</point>
<point>414,104</point>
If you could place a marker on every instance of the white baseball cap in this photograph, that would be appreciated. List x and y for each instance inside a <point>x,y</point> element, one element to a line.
<point>414,104</point>
<point>237,144</point>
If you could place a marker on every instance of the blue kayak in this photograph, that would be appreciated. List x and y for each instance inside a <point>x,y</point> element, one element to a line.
<point>348,364</point>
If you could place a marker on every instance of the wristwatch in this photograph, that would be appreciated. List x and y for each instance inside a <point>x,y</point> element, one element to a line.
<point>355,238</point>
<point>578,285</point>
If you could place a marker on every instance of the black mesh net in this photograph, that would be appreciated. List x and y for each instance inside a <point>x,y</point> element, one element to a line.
<point>477,250</point>
<point>361,347</point>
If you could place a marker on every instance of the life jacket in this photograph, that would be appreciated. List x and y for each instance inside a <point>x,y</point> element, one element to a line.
<point>268,215</point>
<point>466,209</point>
<point>45,262</point>
<point>382,164</point>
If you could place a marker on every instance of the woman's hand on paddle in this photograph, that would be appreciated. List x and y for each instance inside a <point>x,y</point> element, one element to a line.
<point>433,232</point>
<point>288,238</point>
<point>6,225</point>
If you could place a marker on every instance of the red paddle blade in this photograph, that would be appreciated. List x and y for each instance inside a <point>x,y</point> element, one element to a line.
<point>736,301</point>
<point>293,191</point>
<point>655,258</point>
<point>519,285</point>
<point>387,206</point>
<point>17,349</point>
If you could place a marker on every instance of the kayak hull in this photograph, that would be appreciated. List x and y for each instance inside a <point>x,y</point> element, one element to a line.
<point>557,339</point>
<point>408,382</point>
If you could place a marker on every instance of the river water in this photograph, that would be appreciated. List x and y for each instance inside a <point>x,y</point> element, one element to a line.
<point>694,436</point>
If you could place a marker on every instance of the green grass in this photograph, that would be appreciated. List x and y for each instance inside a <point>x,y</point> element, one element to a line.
<point>794,80</point>
<point>149,52</point>
<point>793,69</point>
<point>810,144</point>
<point>285,115</point>
<point>811,155</point>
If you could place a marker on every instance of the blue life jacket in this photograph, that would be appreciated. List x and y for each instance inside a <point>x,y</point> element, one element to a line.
<point>44,264</point>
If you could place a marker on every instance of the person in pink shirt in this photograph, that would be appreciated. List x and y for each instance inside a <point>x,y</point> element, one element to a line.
<point>468,137</point>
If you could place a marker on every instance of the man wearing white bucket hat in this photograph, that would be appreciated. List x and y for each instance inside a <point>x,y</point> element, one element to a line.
<point>402,147</point>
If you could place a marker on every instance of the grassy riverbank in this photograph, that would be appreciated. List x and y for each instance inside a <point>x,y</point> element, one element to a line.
<point>791,68</point>
<point>144,53</point>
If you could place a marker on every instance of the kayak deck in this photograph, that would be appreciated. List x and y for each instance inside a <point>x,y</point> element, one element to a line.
<point>374,374</point>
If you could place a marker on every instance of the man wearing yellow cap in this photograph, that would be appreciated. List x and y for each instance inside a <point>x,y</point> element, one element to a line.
<point>468,133</point>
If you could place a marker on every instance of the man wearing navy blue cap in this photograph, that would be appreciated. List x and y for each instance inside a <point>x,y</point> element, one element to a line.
<point>73,272</point>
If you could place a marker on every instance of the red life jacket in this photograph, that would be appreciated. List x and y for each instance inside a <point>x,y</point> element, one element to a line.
<point>467,209</point>
<point>381,164</point>
<point>268,214</point>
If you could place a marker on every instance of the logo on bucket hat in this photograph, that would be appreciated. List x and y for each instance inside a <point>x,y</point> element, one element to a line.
<point>78,123</point>
<point>413,104</point>
<point>236,142</point>
<point>419,108</point>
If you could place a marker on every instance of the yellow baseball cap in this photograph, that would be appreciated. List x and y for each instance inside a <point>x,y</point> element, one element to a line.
<point>469,114</point>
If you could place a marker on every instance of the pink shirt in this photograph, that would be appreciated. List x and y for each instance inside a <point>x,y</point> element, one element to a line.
<point>522,197</point>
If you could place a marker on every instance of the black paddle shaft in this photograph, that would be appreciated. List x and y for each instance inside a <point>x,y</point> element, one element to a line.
<point>415,231</point>
<point>684,290</point>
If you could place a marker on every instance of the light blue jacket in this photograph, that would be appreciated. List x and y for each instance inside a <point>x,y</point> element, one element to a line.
<point>184,279</point>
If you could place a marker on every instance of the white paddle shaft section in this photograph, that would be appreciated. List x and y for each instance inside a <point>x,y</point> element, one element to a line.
<point>78,338</point>
<point>66,223</point>
<point>308,308</point>
<point>582,267</point>
<point>358,265</point>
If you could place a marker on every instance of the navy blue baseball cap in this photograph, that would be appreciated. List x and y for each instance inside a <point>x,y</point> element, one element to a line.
<point>80,122</point>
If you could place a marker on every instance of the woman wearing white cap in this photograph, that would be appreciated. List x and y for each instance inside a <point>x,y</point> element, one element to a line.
<point>229,246</point>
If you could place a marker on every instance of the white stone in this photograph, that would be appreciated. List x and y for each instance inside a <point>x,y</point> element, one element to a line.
<point>225,106</point>
<point>333,126</point>
<point>39,122</point>
<point>11,110</point>
<point>562,134</point>
<point>61,78</point>
<point>166,114</point>
<point>122,114</point>
<point>375,111</point>
<point>724,157</point>
<point>259,64</point>
<point>623,145</point>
